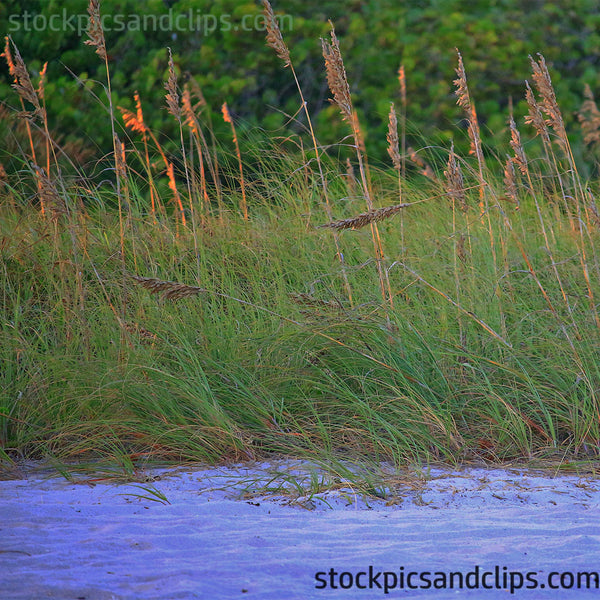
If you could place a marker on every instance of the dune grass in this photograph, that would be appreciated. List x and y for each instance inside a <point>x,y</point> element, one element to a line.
<point>218,307</point>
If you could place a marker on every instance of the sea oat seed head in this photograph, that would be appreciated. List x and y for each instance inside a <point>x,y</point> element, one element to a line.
<point>226,115</point>
<point>274,37</point>
<point>462,90</point>
<point>402,81</point>
<point>171,290</point>
<point>336,75</point>
<point>464,101</point>
<point>22,82</point>
<point>172,96</point>
<point>94,30</point>
<point>535,117</point>
<point>454,180</point>
<point>364,219</point>
<point>510,181</point>
<point>589,117</point>
<point>392,139</point>
<point>517,146</point>
<point>543,83</point>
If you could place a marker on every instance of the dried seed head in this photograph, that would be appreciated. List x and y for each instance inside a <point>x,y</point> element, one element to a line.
<point>543,83</point>
<point>535,117</point>
<point>138,107</point>
<point>510,181</point>
<point>48,194</point>
<point>364,219</point>
<point>120,159</point>
<point>188,110</point>
<point>142,332</point>
<point>392,138</point>
<point>171,290</point>
<point>41,89</point>
<point>589,117</point>
<point>172,96</point>
<point>8,58</point>
<point>402,81</point>
<point>336,75</point>
<point>464,101</point>
<point>135,122</point>
<point>454,180</point>
<point>173,188</point>
<point>196,93</point>
<point>462,90</point>
<point>419,162</point>
<point>515,143</point>
<point>274,37</point>
<point>22,82</point>
<point>171,177</point>
<point>131,121</point>
<point>226,115</point>
<point>94,29</point>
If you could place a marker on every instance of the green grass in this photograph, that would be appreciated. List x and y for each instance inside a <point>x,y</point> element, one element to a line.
<point>488,349</point>
<point>211,378</point>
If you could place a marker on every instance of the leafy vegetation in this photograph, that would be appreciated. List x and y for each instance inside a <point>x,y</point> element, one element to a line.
<point>230,64</point>
<point>198,304</point>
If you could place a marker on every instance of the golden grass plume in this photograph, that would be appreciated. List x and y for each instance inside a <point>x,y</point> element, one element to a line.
<point>22,82</point>
<point>274,37</point>
<point>515,143</point>
<point>49,195</point>
<point>392,139</point>
<point>589,117</point>
<point>134,121</point>
<point>549,105</point>
<point>454,180</point>
<point>364,219</point>
<point>94,30</point>
<point>336,75</point>
<point>465,102</point>
<point>534,116</point>
<point>172,95</point>
<point>510,181</point>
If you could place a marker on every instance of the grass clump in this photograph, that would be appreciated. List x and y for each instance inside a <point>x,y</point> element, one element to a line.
<point>204,308</point>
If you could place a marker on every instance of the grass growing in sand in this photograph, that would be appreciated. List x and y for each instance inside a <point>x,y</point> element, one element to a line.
<point>209,306</point>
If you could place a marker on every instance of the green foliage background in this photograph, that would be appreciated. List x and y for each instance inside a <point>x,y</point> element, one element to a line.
<point>234,65</point>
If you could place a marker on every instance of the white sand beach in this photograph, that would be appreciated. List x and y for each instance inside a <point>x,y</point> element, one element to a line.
<point>230,532</point>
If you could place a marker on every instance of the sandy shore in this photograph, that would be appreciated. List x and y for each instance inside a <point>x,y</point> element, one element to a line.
<point>231,533</point>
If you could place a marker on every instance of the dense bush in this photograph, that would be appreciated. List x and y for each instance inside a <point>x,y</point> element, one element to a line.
<point>234,65</point>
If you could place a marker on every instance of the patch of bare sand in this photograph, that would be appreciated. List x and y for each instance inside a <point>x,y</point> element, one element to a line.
<point>236,532</point>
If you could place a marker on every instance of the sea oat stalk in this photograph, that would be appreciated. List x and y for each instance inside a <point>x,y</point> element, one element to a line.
<point>394,152</point>
<point>338,84</point>
<point>193,124</point>
<point>227,118</point>
<point>24,88</point>
<point>275,40</point>
<point>96,35</point>
<point>465,102</point>
<point>172,99</point>
<point>550,108</point>
<point>403,104</point>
